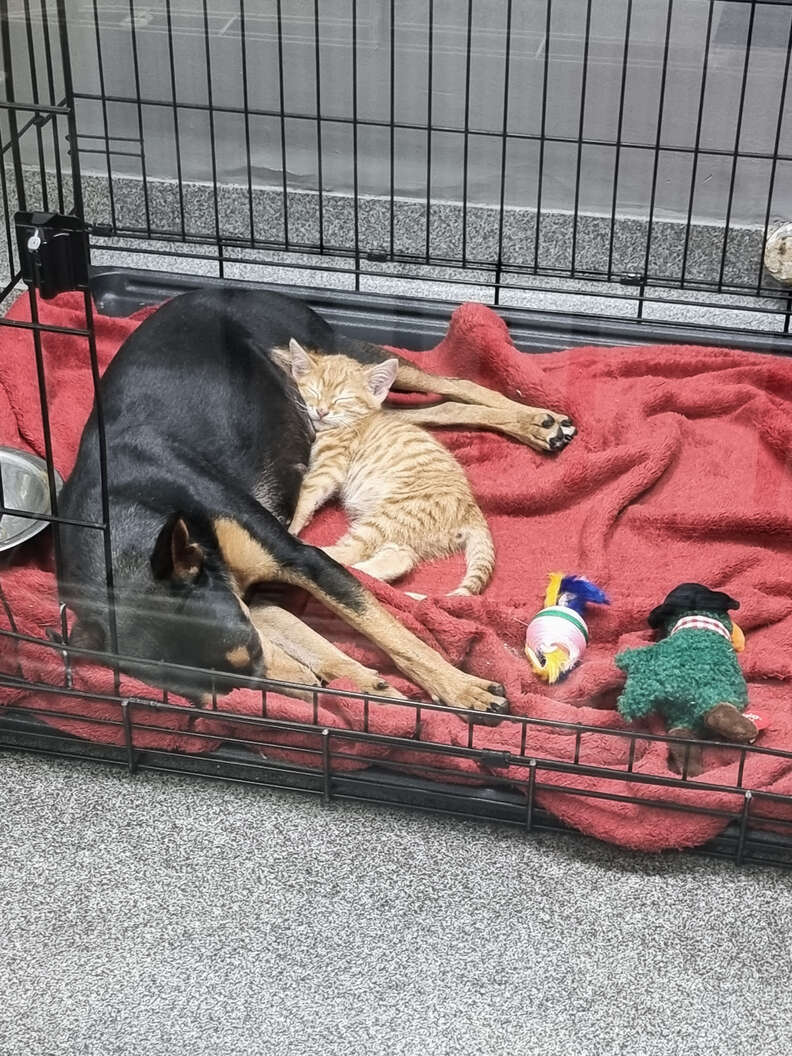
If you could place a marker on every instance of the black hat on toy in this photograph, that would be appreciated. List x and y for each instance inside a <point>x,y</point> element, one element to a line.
<point>690,597</point>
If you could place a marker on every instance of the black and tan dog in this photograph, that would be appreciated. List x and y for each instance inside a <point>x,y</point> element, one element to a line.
<point>207,441</point>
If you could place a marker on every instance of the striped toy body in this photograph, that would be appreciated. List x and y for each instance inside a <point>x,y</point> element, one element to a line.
<point>557,636</point>
<point>555,640</point>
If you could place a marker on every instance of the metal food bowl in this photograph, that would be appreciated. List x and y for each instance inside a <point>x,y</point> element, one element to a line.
<point>24,487</point>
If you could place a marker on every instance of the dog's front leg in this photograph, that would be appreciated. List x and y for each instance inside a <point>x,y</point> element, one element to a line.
<point>485,409</point>
<point>280,666</point>
<point>258,549</point>
<point>526,429</point>
<point>306,646</point>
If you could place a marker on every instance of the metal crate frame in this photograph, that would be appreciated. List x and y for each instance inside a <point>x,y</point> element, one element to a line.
<point>40,120</point>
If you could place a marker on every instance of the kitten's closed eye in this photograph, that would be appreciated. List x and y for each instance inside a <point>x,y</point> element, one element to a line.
<point>339,392</point>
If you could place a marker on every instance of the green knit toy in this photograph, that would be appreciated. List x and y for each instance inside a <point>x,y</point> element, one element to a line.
<point>691,677</point>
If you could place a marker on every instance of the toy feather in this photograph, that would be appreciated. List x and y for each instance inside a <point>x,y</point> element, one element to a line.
<point>576,593</point>
<point>553,587</point>
<point>550,665</point>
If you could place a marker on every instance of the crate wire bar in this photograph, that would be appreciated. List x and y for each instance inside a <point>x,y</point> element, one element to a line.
<point>356,142</point>
<point>741,48</point>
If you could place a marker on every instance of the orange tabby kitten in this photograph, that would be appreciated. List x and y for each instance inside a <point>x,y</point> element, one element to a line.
<point>407,498</point>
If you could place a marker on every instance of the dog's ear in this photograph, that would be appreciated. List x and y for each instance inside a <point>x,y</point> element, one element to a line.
<point>380,377</point>
<point>176,554</point>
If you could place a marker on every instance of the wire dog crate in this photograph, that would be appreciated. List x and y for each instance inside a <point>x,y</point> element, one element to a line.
<point>604,172</point>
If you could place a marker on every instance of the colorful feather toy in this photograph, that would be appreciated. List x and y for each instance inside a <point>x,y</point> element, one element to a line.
<point>557,636</point>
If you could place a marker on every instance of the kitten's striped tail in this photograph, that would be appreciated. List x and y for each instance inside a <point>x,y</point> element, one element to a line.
<point>479,557</point>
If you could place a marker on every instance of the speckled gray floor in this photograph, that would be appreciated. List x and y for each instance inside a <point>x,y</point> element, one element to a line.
<point>158,916</point>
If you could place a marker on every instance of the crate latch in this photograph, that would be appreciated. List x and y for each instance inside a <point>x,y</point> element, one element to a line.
<point>53,252</point>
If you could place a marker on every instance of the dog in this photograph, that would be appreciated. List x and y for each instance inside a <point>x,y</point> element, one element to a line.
<point>207,441</point>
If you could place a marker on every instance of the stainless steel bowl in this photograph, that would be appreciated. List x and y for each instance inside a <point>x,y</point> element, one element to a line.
<point>25,487</point>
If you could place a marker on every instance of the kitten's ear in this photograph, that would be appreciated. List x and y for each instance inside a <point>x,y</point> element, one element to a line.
<point>300,360</point>
<point>380,378</point>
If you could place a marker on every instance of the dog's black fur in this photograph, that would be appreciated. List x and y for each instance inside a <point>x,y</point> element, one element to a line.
<point>200,422</point>
<point>207,444</point>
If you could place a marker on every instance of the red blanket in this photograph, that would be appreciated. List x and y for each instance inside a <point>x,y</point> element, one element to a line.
<point>680,472</point>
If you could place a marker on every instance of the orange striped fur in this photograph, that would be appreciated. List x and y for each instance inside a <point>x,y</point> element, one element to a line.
<point>408,500</point>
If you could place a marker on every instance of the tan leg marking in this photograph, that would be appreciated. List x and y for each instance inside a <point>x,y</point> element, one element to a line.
<point>420,663</point>
<point>413,379</point>
<point>522,426</point>
<point>279,666</point>
<point>539,428</point>
<point>284,668</point>
<point>248,561</point>
<point>307,647</point>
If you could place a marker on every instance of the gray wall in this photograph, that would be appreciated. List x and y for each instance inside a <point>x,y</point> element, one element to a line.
<point>750,176</point>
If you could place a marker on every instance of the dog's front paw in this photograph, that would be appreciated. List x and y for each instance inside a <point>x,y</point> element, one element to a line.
<point>371,682</point>
<point>474,694</point>
<point>546,430</point>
